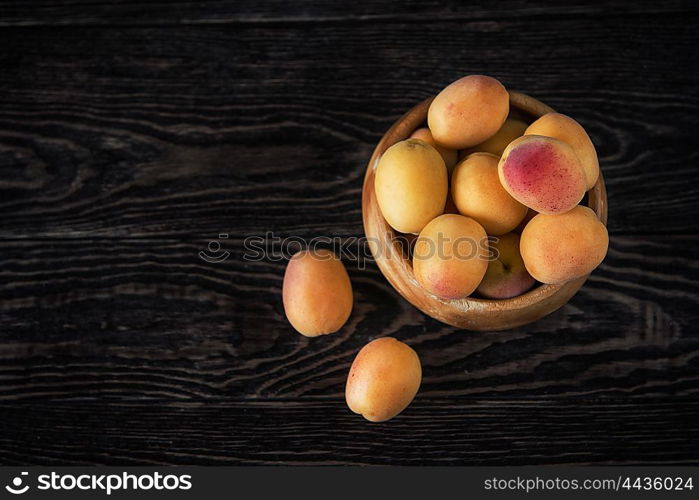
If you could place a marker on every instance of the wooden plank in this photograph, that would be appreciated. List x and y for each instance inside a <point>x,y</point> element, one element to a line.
<point>132,133</point>
<point>150,319</point>
<point>430,432</point>
<point>99,13</point>
<point>190,132</point>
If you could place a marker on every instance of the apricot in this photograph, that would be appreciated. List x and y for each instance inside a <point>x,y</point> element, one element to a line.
<point>383,379</point>
<point>542,173</point>
<point>566,129</point>
<point>560,248</point>
<point>411,185</point>
<point>448,155</point>
<point>510,130</point>
<point>451,256</point>
<point>506,276</point>
<point>468,111</point>
<point>478,193</point>
<point>317,293</point>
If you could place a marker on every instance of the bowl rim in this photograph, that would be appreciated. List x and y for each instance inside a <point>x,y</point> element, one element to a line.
<point>376,229</point>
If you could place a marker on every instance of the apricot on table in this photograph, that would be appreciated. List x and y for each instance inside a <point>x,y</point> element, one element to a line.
<point>383,379</point>
<point>316,292</point>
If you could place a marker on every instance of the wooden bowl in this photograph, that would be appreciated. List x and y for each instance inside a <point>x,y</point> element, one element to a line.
<point>469,313</point>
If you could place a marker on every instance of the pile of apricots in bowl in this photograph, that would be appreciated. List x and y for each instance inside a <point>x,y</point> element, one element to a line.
<point>494,204</point>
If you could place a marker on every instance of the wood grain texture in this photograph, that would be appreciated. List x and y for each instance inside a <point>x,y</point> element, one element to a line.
<point>430,432</point>
<point>150,319</point>
<point>106,13</point>
<point>132,133</point>
<point>195,130</point>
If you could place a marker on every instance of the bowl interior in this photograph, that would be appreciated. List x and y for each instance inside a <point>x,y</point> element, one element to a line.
<point>388,247</point>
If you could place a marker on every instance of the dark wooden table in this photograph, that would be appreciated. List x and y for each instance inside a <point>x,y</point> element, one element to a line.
<point>132,134</point>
